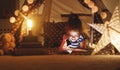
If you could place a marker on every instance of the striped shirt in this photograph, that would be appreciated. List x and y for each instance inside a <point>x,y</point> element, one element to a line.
<point>75,44</point>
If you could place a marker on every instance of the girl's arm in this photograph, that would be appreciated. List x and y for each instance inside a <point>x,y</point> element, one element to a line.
<point>63,45</point>
<point>83,45</point>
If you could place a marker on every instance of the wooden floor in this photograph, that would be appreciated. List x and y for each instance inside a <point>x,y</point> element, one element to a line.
<point>60,62</point>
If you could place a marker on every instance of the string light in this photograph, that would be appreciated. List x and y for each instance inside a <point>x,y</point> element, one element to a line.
<point>25,8</point>
<point>94,9</point>
<point>12,19</point>
<point>16,12</point>
<point>91,4</point>
<point>103,15</point>
<point>30,1</point>
<point>87,1</point>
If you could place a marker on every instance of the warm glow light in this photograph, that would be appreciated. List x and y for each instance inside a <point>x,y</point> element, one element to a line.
<point>12,19</point>
<point>30,1</point>
<point>94,9</point>
<point>91,4</point>
<point>103,15</point>
<point>86,1</point>
<point>92,45</point>
<point>16,12</point>
<point>25,8</point>
<point>107,22</point>
<point>29,24</point>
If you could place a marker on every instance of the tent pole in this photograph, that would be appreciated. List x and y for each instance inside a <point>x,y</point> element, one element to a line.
<point>91,31</point>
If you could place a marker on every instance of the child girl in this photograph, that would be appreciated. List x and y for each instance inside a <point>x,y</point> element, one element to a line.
<point>72,41</point>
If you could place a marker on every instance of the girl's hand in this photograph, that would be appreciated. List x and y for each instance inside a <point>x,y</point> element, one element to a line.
<point>67,48</point>
<point>65,37</point>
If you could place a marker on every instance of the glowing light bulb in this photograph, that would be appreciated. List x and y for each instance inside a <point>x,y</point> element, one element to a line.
<point>12,19</point>
<point>29,24</point>
<point>103,15</point>
<point>16,12</point>
<point>94,9</point>
<point>87,1</point>
<point>30,1</point>
<point>25,8</point>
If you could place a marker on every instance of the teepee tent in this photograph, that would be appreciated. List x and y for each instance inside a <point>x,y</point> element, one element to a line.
<point>59,10</point>
<point>56,12</point>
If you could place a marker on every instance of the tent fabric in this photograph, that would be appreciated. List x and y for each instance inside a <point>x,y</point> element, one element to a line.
<point>60,7</point>
<point>53,9</point>
<point>66,7</point>
<point>110,4</point>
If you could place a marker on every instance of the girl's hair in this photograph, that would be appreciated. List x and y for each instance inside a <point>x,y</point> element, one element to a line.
<point>74,23</point>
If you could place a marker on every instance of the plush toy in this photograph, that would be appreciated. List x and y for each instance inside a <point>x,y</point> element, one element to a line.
<point>7,43</point>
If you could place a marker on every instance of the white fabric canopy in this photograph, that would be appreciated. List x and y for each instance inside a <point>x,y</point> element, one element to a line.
<point>110,4</point>
<point>53,9</point>
<point>66,7</point>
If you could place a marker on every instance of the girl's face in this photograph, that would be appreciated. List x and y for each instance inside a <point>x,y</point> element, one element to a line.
<point>73,35</point>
